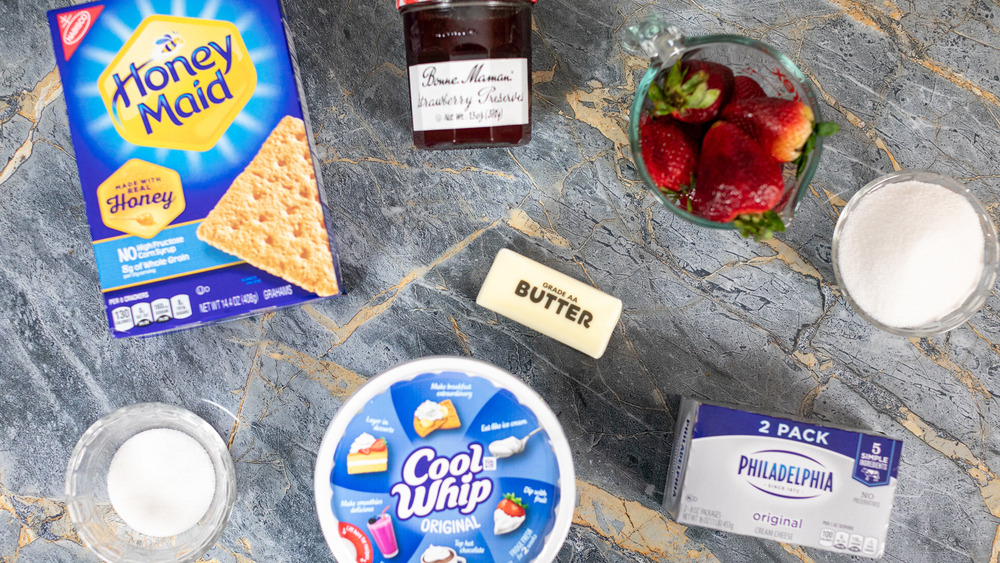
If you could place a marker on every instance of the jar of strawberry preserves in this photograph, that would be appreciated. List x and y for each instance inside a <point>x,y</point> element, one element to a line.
<point>469,68</point>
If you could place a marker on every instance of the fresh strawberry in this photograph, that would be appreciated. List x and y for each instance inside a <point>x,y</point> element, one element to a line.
<point>781,126</point>
<point>738,181</point>
<point>693,91</point>
<point>511,505</point>
<point>745,88</point>
<point>670,152</point>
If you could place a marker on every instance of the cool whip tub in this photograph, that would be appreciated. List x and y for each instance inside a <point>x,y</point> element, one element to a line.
<point>782,479</point>
<point>445,460</point>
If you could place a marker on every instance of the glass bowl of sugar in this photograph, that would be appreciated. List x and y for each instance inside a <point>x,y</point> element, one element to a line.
<point>150,482</point>
<point>915,253</point>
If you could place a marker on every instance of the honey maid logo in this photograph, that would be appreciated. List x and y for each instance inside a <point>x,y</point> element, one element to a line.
<point>178,83</point>
<point>786,474</point>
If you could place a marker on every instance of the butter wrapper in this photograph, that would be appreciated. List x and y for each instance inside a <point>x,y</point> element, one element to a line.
<point>554,304</point>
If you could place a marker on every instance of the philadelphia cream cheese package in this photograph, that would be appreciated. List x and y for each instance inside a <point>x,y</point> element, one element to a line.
<point>782,479</point>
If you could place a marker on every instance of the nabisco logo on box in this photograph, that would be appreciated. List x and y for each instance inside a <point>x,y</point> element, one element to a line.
<point>73,27</point>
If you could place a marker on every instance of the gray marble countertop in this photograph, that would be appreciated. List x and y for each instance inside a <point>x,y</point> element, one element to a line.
<point>706,313</point>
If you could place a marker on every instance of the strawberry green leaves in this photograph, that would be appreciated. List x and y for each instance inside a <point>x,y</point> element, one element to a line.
<point>692,92</point>
<point>821,129</point>
<point>760,226</point>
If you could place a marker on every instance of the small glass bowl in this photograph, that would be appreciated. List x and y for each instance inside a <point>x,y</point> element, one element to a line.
<point>100,527</point>
<point>775,72</point>
<point>991,254</point>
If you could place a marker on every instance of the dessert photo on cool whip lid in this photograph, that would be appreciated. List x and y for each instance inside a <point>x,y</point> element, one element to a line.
<point>444,459</point>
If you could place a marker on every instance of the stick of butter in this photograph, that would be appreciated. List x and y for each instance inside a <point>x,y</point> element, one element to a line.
<point>550,302</point>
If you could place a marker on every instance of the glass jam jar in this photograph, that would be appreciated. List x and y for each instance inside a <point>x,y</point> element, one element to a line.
<point>469,66</point>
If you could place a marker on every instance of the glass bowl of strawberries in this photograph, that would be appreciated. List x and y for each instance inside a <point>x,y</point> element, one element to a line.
<point>725,130</point>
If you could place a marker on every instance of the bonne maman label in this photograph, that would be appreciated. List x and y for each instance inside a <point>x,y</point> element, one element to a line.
<point>469,94</point>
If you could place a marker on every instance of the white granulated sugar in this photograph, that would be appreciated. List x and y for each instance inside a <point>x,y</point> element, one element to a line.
<point>910,253</point>
<point>161,482</point>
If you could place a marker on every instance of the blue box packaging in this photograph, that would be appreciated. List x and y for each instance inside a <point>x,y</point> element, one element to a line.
<point>192,142</point>
<point>782,479</point>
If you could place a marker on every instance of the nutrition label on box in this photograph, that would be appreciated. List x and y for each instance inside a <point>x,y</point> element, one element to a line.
<point>841,540</point>
<point>145,313</point>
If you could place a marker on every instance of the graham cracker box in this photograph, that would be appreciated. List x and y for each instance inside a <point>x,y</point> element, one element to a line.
<point>190,133</point>
<point>782,479</point>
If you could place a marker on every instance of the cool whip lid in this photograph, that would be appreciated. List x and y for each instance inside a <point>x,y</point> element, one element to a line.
<point>444,460</point>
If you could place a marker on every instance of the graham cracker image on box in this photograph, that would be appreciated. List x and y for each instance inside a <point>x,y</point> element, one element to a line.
<point>271,216</point>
